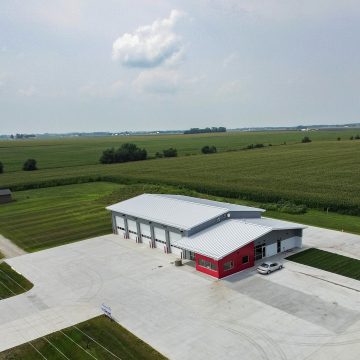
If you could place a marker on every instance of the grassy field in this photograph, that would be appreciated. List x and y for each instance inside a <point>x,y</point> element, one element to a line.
<point>11,282</point>
<point>59,215</point>
<point>323,174</point>
<point>99,338</point>
<point>54,216</point>
<point>327,261</point>
<point>55,153</point>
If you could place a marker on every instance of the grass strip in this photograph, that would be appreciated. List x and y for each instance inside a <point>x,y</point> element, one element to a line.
<point>324,260</point>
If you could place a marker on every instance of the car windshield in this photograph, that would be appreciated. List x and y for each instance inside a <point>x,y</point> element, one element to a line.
<point>264,265</point>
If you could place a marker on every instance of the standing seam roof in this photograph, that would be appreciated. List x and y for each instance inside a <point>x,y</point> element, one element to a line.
<point>222,239</point>
<point>168,211</point>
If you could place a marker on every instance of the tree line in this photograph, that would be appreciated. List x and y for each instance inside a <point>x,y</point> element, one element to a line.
<point>213,129</point>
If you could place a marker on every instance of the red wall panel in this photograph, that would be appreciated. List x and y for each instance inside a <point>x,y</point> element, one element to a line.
<point>236,257</point>
<point>205,270</point>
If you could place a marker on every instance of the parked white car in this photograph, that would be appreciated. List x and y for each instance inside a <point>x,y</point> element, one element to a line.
<point>269,267</point>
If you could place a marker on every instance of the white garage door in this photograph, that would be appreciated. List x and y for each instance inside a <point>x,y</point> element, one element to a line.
<point>160,238</point>
<point>132,229</point>
<point>145,233</point>
<point>271,250</point>
<point>145,230</point>
<point>160,245</point>
<point>176,251</point>
<point>174,236</point>
<point>159,234</point>
<point>120,225</point>
<point>288,244</point>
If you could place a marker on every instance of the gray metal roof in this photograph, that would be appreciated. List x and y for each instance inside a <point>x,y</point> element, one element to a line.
<point>227,236</point>
<point>5,192</point>
<point>168,211</point>
<point>230,207</point>
<point>223,238</point>
<point>275,224</point>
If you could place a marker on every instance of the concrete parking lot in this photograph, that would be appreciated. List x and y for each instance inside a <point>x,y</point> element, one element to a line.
<point>296,313</point>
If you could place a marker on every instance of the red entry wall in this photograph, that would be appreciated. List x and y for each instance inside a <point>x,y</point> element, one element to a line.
<point>236,257</point>
<point>205,270</point>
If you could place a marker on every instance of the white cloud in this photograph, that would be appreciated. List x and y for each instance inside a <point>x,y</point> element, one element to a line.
<point>150,45</point>
<point>157,81</point>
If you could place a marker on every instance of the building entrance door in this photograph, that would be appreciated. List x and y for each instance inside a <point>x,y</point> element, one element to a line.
<point>259,251</point>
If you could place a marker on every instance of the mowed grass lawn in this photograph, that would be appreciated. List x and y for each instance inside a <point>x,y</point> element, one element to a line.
<point>328,261</point>
<point>11,282</point>
<point>98,338</point>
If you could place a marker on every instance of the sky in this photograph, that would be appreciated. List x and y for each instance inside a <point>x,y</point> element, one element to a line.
<point>113,65</point>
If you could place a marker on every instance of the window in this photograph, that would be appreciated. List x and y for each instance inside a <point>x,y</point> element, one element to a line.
<point>245,259</point>
<point>228,265</point>
<point>207,264</point>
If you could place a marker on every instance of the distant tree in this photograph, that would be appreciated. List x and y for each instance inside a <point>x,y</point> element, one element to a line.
<point>357,137</point>
<point>351,138</point>
<point>171,152</point>
<point>306,139</point>
<point>126,152</point>
<point>108,156</point>
<point>209,149</point>
<point>339,138</point>
<point>1,167</point>
<point>11,136</point>
<point>30,165</point>
<point>158,155</point>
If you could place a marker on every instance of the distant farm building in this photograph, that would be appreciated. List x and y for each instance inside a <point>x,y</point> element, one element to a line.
<point>5,196</point>
<point>221,238</point>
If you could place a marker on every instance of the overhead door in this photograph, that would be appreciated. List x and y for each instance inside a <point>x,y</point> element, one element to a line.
<point>289,243</point>
<point>145,233</point>
<point>120,225</point>
<point>174,236</point>
<point>176,251</point>
<point>271,250</point>
<point>160,238</point>
<point>132,229</point>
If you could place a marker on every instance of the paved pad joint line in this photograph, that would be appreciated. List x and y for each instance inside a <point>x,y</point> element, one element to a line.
<point>329,281</point>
